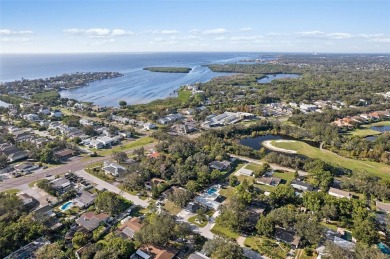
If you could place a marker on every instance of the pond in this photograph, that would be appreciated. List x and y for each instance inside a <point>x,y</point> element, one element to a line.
<point>384,248</point>
<point>381,128</point>
<point>271,77</point>
<point>256,142</point>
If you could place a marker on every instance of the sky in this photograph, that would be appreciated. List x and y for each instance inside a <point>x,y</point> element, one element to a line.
<point>76,26</point>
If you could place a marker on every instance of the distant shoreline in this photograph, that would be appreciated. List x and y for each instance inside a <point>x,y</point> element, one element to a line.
<point>169,69</point>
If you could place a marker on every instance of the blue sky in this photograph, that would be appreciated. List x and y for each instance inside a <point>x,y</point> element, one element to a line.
<point>202,25</point>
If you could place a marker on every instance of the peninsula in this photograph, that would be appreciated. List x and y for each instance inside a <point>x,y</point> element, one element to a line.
<point>168,69</point>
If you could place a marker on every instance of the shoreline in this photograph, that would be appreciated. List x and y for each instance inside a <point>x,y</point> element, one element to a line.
<point>268,144</point>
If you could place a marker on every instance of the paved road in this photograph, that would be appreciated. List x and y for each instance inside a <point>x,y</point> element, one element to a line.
<point>112,188</point>
<point>273,166</point>
<point>74,164</point>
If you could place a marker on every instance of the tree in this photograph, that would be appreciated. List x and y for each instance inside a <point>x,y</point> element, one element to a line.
<point>180,197</point>
<point>119,157</point>
<point>366,232</point>
<point>89,130</point>
<point>3,161</point>
<point>265,226</point>
<point>80,239</point>
<point>133,181</point>
<point>50,251</point>
<point>220,248</point>
<point>282,195</point>
<point>115,247</point>
<point>110,203</point>
<point>233,180</point>
<point>334,251</point>
<point>309,228</point>
<point>158,230</point>
<point>11,207</point>
<point>122,104</point>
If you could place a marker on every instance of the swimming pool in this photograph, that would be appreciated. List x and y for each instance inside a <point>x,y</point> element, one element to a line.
<point>384,248</point>
<point>211,191</point>
<point>66,206</point>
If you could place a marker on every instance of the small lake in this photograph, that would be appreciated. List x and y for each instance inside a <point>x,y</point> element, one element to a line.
<point>4,104</point>
<point>256,143</point>
<point>381,128</point>
<point>271,77</point>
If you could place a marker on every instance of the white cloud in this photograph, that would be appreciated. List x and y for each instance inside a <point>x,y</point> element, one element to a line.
<point>220,38</point>
<point>167,32</point>
<point>98,32</point>
<point>194,31</point>
<point>246,38</point>
<point>246,29</point>
<point>310,34</point>
<point>7,32</point>
<point>215,31</point>
<point>14,39</point>
<point>339,35</point>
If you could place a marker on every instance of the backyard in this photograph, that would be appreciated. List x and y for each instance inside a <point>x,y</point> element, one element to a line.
<point>268,247</point>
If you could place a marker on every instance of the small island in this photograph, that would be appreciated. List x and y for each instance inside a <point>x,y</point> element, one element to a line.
<point>168,69</point>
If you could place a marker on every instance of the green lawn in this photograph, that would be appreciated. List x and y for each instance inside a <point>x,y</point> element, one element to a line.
<point>32,184</point>
<point>126,145</point>
<point>228,192</point>
<point>265,188</point>
<point>192,220</point>
<point>224,232</point>
<point>374,168</point>
<point>267,246</point>
<point>330,226</point>
<point>12,191</point>
<point>171,207</point>
<point>253,167</point>
<point>365,130</point>
<point>287,176</point>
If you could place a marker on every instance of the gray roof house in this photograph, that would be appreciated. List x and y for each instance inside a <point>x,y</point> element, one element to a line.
<point>113,169</point>
<point>90,220</point>
<point>302,186</point>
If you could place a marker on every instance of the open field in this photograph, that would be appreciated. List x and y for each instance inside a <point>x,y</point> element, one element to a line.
<point>224,232</point>
<point>374,168</point>
<point>193,221</point>
<point>125,146</point>
<point>365,130</point>
<point>171,207</point>
<point>12,191</point>
<point>267,246</point>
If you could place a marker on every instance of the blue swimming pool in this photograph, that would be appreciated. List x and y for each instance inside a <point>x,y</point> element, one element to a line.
<point>384,248</point>
<point>211,191</point>
<point>66,206</point>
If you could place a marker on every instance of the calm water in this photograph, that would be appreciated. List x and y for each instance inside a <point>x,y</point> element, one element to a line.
<point>256,143</point>
<point>272,77</point>
<point>136,86</point>
<point>381,128</point>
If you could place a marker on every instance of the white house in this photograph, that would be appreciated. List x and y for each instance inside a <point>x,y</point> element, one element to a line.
<point>149,126</point>
<point>56,114</point>
<point>339,193</point>
<point>31,117</point>
<point>113,168</point>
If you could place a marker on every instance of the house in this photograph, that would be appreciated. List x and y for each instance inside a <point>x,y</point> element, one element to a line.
<point>84,199</point>
<point>25,167</point>
<point>44,110</point>
<point>64,154</point>
<point>149,126</point>
<point>185,128</point>
<point>61,184</point>
<point>114,169</point>
<point>26,199</point>
<point>287,237</point>
<point>130,227</point>
<point>13,153</point>
<point>90,220</point>
<point>93,143</point>
<point>272,181</point>
<point>382,206</point>
<point>224,165</point>
<point>339,193</point>
<point>86,122</point>
<point>43,212</point>
<point>31,117</point>
<point>302,186</point>
<point>149,251</point>
<point>153,183</point>
<point>198,255</point>
<point>28,251</point>
<point>154,154</point>
<point>56,114</point>
<point>106,141</point>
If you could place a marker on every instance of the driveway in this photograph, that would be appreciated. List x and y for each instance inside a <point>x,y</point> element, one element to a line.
<point>112,188</point>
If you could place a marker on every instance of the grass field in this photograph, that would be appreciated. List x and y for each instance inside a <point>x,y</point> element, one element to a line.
<point>373,168</point>
<point>253,167</point>
<point>171,207</point>
<point>224,232</point>
<point>192,220</point>
<point>228,192</point>
<point>287,176</point>
<point>125,146</point>
<point>12,191</point>
<point>365,130</point>
<point>267,246</point>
